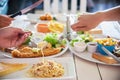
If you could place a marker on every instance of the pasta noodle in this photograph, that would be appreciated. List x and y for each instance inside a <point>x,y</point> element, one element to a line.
<point>46,69</point>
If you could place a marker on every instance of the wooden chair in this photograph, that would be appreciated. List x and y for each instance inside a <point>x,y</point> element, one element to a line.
<point>61,6</point>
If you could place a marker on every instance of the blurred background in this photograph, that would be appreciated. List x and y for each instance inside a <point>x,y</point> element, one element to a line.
<point>12,6</point>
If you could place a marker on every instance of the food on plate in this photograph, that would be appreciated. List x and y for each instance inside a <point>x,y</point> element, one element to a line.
<point>54,40</point>
<point>82,38</point>
<point>52,26</point>
<point>42,28</point>
<point>6,50</point>
<point>46,17</point>
<point>29,52</point>
<point>107,41</point>
<point>55,26</point>
<point>94,31</point>
<point>50,45</point>
<point>117,52</point>
<point>7,68</point>
<point>105,59</point>
<point>46,69</point>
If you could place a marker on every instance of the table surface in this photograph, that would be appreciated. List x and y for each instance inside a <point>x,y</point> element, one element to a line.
<point>86,70</point>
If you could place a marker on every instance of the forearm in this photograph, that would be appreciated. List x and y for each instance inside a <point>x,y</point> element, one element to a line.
<point>112,14</point>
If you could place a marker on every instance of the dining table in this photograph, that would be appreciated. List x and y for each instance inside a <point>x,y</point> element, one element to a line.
<point>86,69</point>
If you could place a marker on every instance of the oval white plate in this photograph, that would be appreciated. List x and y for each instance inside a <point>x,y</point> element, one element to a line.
<point>8,55</point>
<point>88,56</point>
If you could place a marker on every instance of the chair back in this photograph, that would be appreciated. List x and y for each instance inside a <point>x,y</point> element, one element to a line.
<point>65,6</point>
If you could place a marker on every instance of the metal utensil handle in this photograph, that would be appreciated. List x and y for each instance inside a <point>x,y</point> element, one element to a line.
<point>15,14</point>
<point>110,54</point>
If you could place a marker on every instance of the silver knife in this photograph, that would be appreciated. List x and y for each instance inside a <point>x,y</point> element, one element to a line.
<point>111,54</point>
<point>23,11</point>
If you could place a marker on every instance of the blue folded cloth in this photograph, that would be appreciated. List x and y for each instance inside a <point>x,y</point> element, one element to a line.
<point>2,2</point>
<point>3,6</point>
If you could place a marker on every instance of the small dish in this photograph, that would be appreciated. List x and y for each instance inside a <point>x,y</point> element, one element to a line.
<point>92,47</point>
<point>110,48</point>
<point>80,46</point>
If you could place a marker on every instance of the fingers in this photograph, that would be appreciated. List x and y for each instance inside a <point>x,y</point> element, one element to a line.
<point>19,40</point>
<point>5,20</point>
<point>81,28</point>
<point>78,27</point>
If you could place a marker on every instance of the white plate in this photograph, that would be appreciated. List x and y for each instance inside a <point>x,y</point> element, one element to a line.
<point>88,56</point>
<point>6,54</point>
<point>34,18</point>
<point>67,63</point>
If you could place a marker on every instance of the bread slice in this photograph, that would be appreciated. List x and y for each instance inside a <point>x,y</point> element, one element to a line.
<point>7,68</point>
<point>94,31</point>
<point>106,59</point>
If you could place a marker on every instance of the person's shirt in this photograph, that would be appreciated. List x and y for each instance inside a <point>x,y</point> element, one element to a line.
<point>3,6</point>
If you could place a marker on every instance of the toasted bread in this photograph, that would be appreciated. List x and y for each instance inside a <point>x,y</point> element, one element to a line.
<point>7,68</point>
<point>106,59</point>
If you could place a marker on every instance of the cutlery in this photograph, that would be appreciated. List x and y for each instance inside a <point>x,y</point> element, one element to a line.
<point>7,56</point>
<point>23,11</point>
<point>111,54</point>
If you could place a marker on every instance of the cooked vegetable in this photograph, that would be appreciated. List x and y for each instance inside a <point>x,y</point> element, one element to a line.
<point>80,32</point>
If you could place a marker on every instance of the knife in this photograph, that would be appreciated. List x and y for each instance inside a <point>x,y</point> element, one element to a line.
<point>111,54</point>
<point>23,11</point>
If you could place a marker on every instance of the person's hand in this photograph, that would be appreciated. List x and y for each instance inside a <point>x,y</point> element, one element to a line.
<point>12,37</point>
<point>86,22</point>
<point>5,21</point>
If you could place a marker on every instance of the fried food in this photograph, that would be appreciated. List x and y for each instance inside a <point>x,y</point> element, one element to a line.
<point>7,68</point>
<point>46,17</point>
<point>27,52</point>
<point>106,59</point>
<point>46,69</point>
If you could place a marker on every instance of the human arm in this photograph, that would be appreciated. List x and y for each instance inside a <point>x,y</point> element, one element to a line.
<point>91,20</point>
<point>12,37</point>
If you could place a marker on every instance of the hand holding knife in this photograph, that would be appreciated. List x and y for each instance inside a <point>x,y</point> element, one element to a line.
<point>6,20</point>
<point>25,10</point>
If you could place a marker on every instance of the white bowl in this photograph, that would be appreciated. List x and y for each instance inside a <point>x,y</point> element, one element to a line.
<point>80,46</point>
<point>92,47</point>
